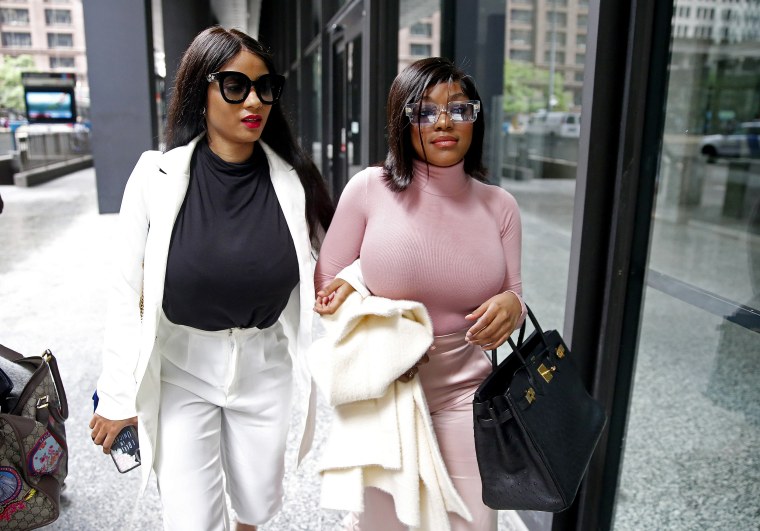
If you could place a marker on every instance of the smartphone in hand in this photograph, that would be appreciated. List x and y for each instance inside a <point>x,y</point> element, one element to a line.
<point>125,450</point>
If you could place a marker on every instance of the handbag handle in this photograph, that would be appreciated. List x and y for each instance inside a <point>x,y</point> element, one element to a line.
<point>494,359</point>
<point>53,364</point>
<point>536,326</point>
<point>520,338</point>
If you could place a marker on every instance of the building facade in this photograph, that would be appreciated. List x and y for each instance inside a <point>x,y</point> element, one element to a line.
<point>51,32</point>
<point>550,32</point>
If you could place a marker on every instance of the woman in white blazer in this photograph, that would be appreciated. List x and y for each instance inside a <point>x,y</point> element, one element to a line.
<point>211,306</point>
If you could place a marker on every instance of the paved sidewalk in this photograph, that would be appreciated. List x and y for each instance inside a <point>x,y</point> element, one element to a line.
<point>54,259</point>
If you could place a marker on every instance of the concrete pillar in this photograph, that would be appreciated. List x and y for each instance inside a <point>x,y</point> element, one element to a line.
<point>122,91</point>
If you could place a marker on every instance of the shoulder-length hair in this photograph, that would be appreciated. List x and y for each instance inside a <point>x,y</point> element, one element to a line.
<point>409,87</point>
<point>209,52</point>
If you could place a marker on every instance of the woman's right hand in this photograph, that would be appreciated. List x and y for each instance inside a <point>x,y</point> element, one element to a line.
<point>330,298</point>
<point>104,431</point>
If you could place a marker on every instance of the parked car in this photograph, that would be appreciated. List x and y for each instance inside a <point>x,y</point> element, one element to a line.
<point>563,124</point>
<point>743,142</point>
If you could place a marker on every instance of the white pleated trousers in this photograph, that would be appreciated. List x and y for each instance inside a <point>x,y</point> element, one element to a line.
<point>224,414</point>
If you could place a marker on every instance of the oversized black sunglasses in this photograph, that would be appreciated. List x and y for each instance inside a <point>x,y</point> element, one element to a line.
<point>235,86</point>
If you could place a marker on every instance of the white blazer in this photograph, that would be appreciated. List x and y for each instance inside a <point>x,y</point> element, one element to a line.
<point>130,381</point>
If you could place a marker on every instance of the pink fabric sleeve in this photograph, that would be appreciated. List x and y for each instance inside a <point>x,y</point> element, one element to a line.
<point>511,240</point>
<point>346,233</point>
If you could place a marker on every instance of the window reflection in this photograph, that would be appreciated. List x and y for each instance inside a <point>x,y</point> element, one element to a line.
<point>419,31</point>
<point>691,445</point>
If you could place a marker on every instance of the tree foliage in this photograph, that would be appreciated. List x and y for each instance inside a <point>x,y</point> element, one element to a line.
<point>526,87</point>
<point>11,90</point>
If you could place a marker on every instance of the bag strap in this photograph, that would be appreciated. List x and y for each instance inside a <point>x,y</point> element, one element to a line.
<point>10,355</point>
<point>53,364</point>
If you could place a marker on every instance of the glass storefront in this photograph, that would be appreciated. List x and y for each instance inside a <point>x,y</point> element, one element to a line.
<point>311,129</point>
<point>419,31</point>
<point>692,458</point>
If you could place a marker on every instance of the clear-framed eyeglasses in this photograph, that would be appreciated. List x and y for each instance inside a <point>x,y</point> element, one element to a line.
<point>428,113</point>
<point>235,86</point>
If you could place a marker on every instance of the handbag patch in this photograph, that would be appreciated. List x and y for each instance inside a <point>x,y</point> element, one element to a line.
<point>45,455</point>
<point>10,485</point>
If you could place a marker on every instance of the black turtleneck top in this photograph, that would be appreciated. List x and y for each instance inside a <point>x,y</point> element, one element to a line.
<point>232,261</point>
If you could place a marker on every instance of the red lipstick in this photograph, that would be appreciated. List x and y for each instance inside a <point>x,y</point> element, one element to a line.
<point>252,121</point>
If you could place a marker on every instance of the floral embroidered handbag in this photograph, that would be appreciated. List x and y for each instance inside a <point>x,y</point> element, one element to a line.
<point>33,451</point>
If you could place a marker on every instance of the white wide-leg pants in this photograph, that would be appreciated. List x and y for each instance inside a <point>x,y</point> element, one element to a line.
<point>223,421</point>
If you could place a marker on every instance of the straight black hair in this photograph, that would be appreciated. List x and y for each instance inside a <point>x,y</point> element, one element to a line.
<point>210,51</point>
<point>409,87</point>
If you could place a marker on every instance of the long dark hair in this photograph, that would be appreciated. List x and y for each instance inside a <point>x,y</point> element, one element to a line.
<point>409,87</point>
<point>210,50</point>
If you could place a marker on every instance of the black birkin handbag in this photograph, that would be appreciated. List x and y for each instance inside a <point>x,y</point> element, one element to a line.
<point>535,425</point>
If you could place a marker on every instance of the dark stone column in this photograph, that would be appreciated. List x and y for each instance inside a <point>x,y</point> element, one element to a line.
<point>182,21</point>
<point>122,84</point>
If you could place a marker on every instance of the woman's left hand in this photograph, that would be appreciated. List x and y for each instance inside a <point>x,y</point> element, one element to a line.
<point>330,298</point>
<point>496,320</point>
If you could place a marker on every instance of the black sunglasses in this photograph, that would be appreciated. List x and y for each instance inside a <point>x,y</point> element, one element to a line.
<point>235,86</point>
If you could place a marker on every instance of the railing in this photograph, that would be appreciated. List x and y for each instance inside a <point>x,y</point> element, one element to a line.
<point>36,149</point>
<point>6,142</point>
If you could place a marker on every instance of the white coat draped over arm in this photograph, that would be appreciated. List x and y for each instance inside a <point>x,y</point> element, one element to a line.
<point>381,435</point>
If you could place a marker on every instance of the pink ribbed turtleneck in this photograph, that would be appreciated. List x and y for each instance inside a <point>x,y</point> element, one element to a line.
<point>448,241</point>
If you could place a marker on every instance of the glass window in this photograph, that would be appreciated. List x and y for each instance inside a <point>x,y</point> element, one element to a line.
<point>558,17</point>
<point>537,162</point>
<point>17,39</point>
<point>62,62</point>
<point>691,447</point>
<point>14,16</point>
<point>521,16</point>
<point>582,21</point>
<point>424,29</point>
<point>580,58</point>
<point>580,39</point>
<point>525,56</point>
<point>559,57</point>
<point>559,36</point>
<point>532,118</point>
<point>521,36</point>
<point>60,40</point>
<point>312,127</point>
<point>57,17</point>
<point>420,50</point>
<point>419,31</point>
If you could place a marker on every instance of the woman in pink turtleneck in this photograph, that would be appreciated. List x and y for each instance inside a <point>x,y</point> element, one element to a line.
<point>428,228</point>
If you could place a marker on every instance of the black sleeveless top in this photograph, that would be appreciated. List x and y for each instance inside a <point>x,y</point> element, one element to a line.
<point>232,261</point>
